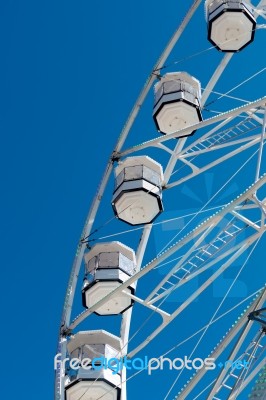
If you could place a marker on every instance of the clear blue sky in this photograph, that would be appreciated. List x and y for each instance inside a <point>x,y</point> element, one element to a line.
<point>69,75</point>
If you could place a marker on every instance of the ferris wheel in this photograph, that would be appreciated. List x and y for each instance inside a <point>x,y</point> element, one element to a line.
<point>182,236</point>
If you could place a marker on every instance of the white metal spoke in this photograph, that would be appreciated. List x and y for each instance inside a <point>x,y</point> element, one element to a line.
<point>260,9</point>
<point>179,264</point>
<point>190,274</point>
<point>212,138</point>
<point>197,170</point>
<point>261,147</point>
<point>250,378</point>
<point>207,122</point>
<point>190,299</point>
<point>232,380</point>
<point>243,324</point>
<point>187,265</point>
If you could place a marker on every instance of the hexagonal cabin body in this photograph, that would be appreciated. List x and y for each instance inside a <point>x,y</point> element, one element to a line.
<point>176,103</point>
<point>90,383</point>
<point>108,265</point>
<point>137,198</point>
<point>231,24</point>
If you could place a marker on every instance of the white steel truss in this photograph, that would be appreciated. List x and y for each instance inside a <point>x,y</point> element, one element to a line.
<point>231,382</point>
